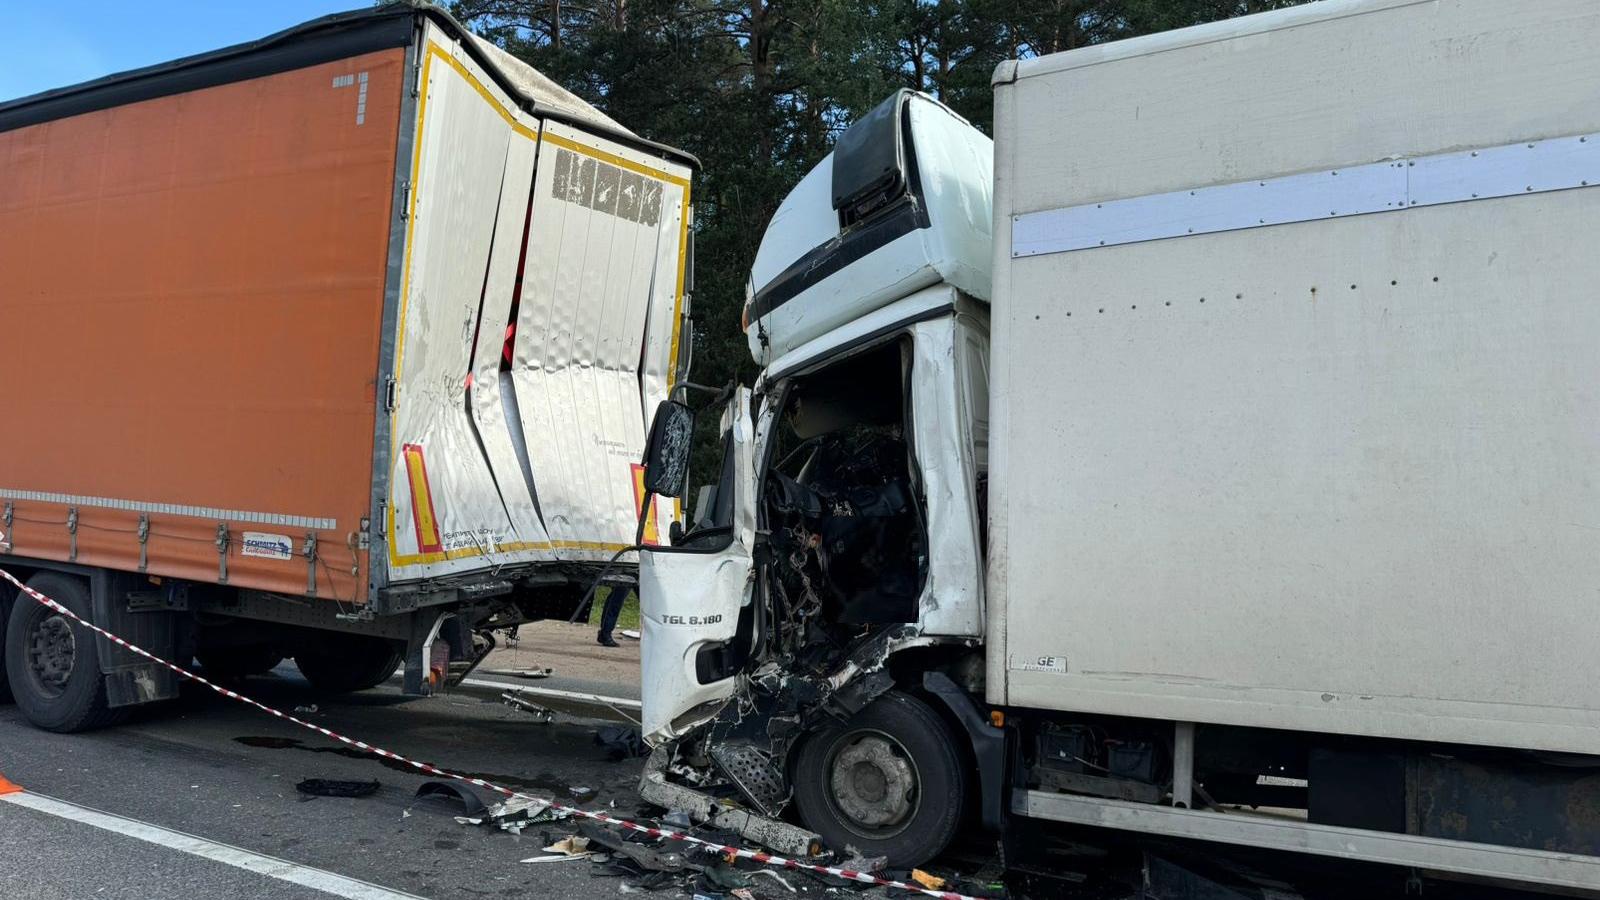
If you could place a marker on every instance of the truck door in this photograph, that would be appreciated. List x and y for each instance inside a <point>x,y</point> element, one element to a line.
<point>692,593</point>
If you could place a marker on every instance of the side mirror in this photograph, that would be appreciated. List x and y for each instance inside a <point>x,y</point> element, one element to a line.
<point>666,456</point>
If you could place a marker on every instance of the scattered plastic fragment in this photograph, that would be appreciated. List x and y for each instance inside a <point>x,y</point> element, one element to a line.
<point>471,803</point>
<point>570,847</point>
<point>307,709</point>
<point>629,633</point>
<point>581,791</point>
<point>331,787</point>
<point>743,893</point>
<point>928,880</point>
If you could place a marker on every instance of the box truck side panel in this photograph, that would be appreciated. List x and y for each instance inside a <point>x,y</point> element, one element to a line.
<point>446,512</point>
<point>191,285</point>
<point>597,329</point>
<point>1332,475</point>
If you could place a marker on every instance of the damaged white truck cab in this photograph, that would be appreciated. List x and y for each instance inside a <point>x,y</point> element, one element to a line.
<point>1292,411</point>
<point>844,530</point>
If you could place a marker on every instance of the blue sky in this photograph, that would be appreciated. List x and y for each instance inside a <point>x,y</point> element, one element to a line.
<point>60,42</point>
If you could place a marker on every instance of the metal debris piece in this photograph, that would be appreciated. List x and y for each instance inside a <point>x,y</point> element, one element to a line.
<point>306,710</point>
<point>542,715</point>
<point>788,839</point>
<point>531,673</point>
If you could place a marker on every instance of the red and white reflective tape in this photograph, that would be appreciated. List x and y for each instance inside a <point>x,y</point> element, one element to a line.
<point>756,855</point>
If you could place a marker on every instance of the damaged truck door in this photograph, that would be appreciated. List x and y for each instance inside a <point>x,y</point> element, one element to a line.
<point>692,593</point>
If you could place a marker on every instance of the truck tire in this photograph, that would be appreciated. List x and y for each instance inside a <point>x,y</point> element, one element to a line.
<point>8,595</point>
<point>888,782</point>
<point>350,664</point>
<point>238,662</point>
<point>52,663</point>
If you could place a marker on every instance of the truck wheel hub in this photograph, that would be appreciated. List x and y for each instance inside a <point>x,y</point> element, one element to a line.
<point>873,782</point>
<point>51,652</point>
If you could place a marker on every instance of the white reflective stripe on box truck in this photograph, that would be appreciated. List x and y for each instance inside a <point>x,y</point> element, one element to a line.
<point>1507,170</point>
<point>603,263</point>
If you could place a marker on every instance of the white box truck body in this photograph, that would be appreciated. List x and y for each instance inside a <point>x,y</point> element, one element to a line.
<point>1272,486</point>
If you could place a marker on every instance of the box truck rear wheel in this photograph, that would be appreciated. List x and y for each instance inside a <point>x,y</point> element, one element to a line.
<point>351,663</point>
<point>888,782</point>
<point>53,664</point>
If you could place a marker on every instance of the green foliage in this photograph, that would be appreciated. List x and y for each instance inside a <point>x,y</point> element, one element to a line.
<point>759,89</point>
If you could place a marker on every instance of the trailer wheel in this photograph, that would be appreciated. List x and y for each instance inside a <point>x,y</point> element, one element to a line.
<point>889,782</point>
<point>349,664</point>
<point>8,595</point>
<point>239,662</point>
<point>52,663</point>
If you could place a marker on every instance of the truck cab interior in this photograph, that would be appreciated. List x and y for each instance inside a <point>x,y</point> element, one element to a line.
<point>842,500</point>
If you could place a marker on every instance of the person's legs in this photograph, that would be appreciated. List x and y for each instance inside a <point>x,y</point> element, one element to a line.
<point>608,615</point>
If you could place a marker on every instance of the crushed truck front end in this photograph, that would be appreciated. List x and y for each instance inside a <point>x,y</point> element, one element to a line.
<point>827,595</point>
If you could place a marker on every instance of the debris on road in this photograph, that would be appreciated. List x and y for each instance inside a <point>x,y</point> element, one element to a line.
<point>570,847</point>
<point>927,880</point>
<point>515,814</point>
<point>306,710</point>
<point>620,742</point>
<point>333,787</point>
<point>532,672</point>
<point>471,804</point>
<point>542,715</point>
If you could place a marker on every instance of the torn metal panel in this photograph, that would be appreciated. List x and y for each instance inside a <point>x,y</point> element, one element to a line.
<point>766,831</point>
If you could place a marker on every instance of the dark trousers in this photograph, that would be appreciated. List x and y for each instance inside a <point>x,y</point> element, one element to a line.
<point>609,613</point>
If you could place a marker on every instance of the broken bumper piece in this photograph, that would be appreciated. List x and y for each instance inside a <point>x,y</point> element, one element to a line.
<point>768,832</point>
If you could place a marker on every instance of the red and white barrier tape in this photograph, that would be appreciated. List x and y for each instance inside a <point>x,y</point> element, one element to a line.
<point>756,855</point>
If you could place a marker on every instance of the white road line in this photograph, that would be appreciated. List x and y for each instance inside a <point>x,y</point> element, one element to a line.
<point>239,858</point>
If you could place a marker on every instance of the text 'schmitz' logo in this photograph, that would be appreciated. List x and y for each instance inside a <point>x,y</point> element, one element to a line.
<point>266,546</point>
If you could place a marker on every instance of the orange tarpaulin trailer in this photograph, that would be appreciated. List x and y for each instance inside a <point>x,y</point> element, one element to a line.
<point>242,294</point>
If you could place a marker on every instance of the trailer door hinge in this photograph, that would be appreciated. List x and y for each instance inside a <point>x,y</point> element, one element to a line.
<point>405,201</point>
<point>309,549</point>
<point>223,540</point>
<point>364,536</point>
<point>391,391</point>
<point>144,542</point>
<point>72,532</point>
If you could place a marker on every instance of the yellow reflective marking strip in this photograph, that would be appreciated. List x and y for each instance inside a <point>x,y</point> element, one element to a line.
<point>422,501</point>
<point>614,159</point>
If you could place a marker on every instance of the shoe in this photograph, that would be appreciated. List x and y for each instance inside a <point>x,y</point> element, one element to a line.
<point>607,641</point>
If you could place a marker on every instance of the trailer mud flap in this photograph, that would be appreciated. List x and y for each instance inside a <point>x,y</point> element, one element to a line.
<point>130,678</point>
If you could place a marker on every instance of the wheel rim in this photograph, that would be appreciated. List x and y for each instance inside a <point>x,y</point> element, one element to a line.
<point>52,651</point>
<point>873,783</point>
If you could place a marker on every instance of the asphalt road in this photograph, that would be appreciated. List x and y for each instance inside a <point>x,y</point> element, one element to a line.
<point>217,770</point>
